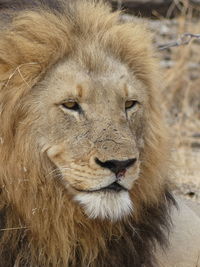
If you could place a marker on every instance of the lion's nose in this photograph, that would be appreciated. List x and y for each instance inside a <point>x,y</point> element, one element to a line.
<point>119,167</point>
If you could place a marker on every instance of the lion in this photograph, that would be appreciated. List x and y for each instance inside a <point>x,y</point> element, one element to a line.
<point>85,154</point>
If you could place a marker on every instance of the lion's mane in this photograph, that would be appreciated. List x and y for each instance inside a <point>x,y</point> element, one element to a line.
<point>39,225</point>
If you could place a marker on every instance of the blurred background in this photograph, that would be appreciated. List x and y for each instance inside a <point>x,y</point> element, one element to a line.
<point>180,65</point>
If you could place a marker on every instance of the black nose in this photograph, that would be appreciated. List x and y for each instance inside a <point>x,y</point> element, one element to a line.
<point>116,166</point>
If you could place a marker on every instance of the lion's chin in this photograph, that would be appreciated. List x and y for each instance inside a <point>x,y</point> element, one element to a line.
<point>105,205</point>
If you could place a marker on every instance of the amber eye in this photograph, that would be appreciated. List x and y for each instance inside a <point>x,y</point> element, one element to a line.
<point>130,104</point>
<point>73,105</point>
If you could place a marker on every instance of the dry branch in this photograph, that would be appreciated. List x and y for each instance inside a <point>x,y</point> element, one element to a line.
<point>184,39</point>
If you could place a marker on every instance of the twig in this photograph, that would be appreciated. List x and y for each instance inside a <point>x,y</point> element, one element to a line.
<point>15,228</point>
<point>18,70</point>
<point>184,39</point>
<point>198,260</point>
<point>119,4</point>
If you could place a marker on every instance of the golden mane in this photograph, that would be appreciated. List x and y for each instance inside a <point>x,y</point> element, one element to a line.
<point>37,228</point>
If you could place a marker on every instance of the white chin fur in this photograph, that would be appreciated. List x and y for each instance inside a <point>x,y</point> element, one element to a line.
<point>105,205</point>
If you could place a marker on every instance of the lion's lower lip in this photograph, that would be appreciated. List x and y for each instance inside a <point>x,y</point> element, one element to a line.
<point>112,187</point>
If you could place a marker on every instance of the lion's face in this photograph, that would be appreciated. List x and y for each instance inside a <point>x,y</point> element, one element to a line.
<point>91,130</point>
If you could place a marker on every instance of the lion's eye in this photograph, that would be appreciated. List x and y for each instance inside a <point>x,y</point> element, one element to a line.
<point>130,104</point>
<point>73,105</point>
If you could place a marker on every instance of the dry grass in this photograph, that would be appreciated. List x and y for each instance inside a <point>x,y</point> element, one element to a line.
<point>181,97</point>
<point>182,105</point>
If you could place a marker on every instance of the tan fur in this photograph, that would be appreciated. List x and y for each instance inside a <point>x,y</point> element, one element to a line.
<point>33,52</point>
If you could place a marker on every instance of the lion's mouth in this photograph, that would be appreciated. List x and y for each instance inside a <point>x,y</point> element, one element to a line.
<point>115,187</point>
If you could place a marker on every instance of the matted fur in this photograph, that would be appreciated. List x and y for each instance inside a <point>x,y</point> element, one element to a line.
<point>58,233</point>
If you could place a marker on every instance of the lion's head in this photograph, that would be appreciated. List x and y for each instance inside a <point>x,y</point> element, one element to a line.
<point>81,130</point>
<point>90,125</point>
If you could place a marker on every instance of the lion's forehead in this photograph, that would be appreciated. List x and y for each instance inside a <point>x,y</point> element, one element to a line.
<point>72,78</point>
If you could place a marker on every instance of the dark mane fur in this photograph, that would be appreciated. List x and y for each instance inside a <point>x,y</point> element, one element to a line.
<point>135,248</point>
<point>153,228</point>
